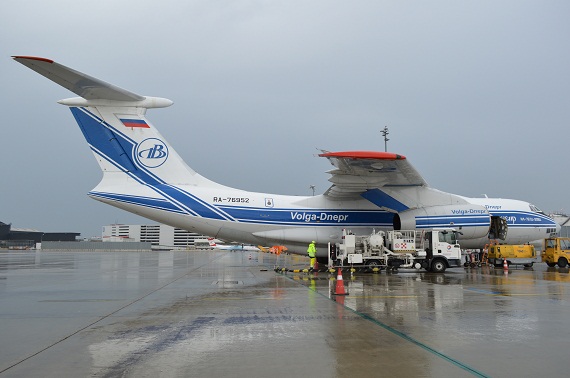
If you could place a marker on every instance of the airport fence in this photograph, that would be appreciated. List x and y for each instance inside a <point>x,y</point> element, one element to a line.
<point>95,246</point>
<point>17,244</point>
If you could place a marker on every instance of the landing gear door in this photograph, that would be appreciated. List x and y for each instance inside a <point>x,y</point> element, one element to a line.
<point>499,228</point>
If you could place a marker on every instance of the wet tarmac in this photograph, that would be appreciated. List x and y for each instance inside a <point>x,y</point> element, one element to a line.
<point>218,313</point>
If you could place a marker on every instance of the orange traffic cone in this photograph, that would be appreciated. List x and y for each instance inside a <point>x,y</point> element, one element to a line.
<point>505,264</point>
<point>339,290</point>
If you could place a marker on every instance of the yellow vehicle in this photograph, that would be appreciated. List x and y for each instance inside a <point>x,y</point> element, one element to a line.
<point>523,254</point>
<point>556,252</point>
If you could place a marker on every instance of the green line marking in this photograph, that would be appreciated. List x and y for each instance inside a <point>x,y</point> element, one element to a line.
<point>406,337</point>
<point>420,344</point>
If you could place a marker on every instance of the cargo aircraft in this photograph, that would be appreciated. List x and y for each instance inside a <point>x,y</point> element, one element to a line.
<point>143,174</point>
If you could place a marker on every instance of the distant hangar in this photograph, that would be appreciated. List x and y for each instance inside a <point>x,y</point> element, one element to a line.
<point>28,238</point>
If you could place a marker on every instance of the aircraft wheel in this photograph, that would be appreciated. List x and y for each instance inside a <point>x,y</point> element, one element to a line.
<point>562,262</point>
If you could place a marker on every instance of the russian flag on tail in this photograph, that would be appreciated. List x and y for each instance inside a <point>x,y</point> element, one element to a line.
<point>130,122</point>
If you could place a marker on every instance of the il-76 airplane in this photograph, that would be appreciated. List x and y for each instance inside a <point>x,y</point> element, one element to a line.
<point>143,174</point>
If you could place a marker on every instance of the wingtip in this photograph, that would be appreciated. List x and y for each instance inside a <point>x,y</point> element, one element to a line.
<point>16,57</point>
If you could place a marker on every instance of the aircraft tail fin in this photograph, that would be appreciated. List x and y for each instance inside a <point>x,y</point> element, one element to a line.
<point>113,122</point>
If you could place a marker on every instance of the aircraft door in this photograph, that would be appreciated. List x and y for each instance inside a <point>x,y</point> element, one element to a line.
<point>499,228</point>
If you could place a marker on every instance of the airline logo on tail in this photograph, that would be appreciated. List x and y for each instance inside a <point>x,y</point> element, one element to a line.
<point>151,152</point>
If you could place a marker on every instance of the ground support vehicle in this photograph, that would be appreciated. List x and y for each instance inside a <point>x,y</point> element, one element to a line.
<point>523,254</point>
<point>556,252</point>
<point>476,258</point>
<point>433,250</point>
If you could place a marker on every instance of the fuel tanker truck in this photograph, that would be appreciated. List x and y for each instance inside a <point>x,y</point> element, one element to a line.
<point>434,250</point>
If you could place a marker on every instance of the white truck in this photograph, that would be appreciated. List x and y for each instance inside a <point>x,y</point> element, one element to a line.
<point>433,250</point>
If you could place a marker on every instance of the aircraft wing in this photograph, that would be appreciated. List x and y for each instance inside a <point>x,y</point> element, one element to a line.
<point>359,171</point>
<point>79,83</point>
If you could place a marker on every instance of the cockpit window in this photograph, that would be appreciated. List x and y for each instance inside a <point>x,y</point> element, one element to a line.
<point>536,209</point>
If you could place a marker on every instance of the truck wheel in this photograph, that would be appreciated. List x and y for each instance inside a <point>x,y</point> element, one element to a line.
<point>562,262</point>
<point>551,264</point>
<point>373,263</point>
<point>438,266</point>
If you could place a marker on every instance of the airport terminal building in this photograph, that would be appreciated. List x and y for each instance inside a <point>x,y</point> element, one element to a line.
<point>159,235</point>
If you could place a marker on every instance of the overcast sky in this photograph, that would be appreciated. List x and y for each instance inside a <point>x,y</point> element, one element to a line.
<point>476,94</point>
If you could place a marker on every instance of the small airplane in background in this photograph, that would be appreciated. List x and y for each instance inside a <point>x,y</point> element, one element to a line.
<point>143,174</point>
<point>232,247</point>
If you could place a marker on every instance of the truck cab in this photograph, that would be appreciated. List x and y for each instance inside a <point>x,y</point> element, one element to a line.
<point>556,252</point>
<point>442,248</point>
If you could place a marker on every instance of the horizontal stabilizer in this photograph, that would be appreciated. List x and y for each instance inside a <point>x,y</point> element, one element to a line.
<point>79,83</point>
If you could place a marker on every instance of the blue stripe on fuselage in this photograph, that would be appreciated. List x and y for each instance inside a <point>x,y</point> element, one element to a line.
<point>324,217</point>
<point>154,203</point>
<point>514,219</point>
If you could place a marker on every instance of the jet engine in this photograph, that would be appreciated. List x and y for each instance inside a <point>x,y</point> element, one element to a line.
<point>473,221</point>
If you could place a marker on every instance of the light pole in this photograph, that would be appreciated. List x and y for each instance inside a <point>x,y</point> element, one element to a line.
<point>385,133</point>
<point>312,187</point>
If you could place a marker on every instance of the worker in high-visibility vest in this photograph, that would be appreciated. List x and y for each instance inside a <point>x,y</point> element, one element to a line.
<point>312,251</point>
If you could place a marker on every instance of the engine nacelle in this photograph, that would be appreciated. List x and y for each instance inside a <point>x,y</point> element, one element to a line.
<point>473,221</point>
